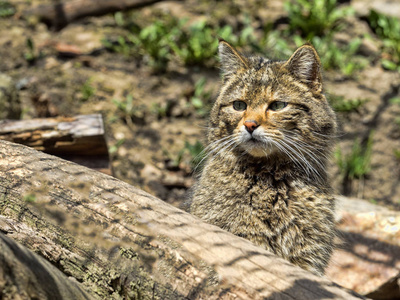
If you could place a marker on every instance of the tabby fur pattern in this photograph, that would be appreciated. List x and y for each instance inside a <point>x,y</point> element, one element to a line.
<point>270,134</point>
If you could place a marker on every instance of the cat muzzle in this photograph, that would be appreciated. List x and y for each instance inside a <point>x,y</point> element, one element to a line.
<point>250,125</point>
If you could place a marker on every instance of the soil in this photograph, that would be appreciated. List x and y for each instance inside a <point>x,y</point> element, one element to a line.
<point>149,147</point>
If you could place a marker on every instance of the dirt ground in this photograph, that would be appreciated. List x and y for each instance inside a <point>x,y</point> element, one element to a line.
<point>148,147</point>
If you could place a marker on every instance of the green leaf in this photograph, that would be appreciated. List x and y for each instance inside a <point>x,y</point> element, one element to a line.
<point>119,19</point>
<point>395,100</point>
<point>6,9</point>
<point>389,65</point>
<point>197,103</point>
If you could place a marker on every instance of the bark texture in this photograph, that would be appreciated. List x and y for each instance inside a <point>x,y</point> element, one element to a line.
<point>79,139</point>
<point>25,275</point>
<point>122,243</point>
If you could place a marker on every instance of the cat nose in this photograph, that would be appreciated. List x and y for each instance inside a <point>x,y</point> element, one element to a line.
<point>250,125</point>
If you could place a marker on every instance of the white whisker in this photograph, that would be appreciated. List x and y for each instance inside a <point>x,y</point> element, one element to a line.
<point>309,158</point>
<point>217,147</point>
<point>295,152</point>
<point>318,159</point>
<point>304,158</point>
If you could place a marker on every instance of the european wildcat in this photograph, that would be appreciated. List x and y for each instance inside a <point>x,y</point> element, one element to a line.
<point>271,130</point>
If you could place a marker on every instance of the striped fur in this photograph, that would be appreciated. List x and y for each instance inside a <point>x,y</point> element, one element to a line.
<point>270,186</point>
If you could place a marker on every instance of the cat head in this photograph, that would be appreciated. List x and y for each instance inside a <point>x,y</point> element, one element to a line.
<point>272,108</point>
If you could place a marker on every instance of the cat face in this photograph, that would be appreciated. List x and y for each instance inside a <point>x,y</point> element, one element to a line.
<point>268,108</point>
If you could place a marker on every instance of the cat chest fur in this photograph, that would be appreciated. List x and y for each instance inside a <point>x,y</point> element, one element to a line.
<point>276,214</point>
<point>254,206</point>
<point>261,206</point>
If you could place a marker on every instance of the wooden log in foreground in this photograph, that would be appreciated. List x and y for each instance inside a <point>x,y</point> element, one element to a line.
<point>122,243</point>
<point>60,14</point>
<point>79,139</point>
<point>25,275</point>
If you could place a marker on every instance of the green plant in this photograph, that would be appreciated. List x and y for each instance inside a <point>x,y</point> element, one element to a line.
<point>271,44</point>
<point>174,162</point>
<point>315,17</point>
<point>121,45</point>
<point>169,37</point>
<point>162,110</point>
<point>129,111</point>
<point>357,163</point>
<point>31,198</point>
<point>196,152</point>
<point>6,9</point>
<point>201,97</point>
<point>243,38</point>
<point>87,90</point>
<point>316,21</point>
<point>333,56</point>
<point>196,44</point>
<point>114,148</point>
<point>388,29</point>
<point>119,19</point>
<point>395,100</point>
<point>340,104</point>
<point>125,106</point>
<point>30,55</point>
<point>151,43</point>
<point>397,121</point>
<point>396,153</point>
<point>154,42</point>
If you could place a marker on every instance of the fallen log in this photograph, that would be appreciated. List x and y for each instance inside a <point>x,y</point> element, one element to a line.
<point>22,275</point>
<point>367,259</point>
<point>61,14</point>
<point>79,139</point>
<point>122,243</point>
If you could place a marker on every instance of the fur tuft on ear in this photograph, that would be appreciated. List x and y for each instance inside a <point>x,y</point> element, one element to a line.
<point>305,65</point>
<point>231,60</point>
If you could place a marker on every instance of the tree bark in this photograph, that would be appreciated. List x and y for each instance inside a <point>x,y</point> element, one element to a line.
<point>122,243</point>
<point>79,139</point>
<point>61,14</point>
<point>25,275</point>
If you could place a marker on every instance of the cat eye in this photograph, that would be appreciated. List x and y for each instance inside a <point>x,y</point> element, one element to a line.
<point>239,105</point>
<point>278,105</point>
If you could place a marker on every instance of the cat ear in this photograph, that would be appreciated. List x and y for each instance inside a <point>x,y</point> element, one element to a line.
<point>231,60</point>
<point>305,65</point>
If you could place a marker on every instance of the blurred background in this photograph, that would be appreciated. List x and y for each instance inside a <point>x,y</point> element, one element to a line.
<point>151,72</point>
